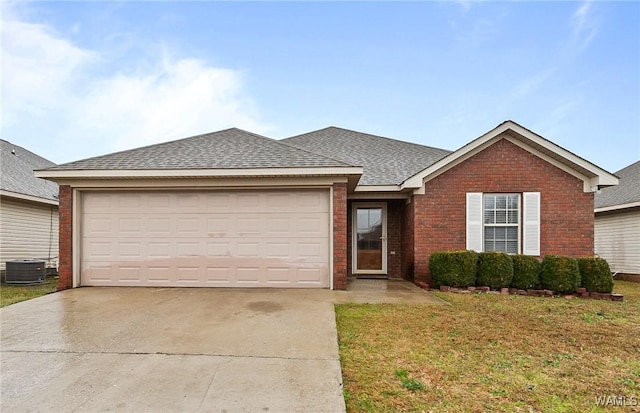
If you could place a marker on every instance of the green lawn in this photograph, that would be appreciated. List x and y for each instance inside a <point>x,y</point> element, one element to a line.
<point>489,352</point>
<point>14,293</point>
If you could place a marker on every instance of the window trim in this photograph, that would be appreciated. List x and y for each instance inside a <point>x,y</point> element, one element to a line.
<point>518,225</point>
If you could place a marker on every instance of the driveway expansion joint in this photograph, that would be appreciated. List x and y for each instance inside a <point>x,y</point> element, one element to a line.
<point>161,353</point>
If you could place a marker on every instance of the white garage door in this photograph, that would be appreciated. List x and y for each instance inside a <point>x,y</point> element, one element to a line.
<point>206,239</point>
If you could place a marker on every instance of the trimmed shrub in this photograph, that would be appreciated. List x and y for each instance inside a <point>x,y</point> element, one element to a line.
<point>495,270</point>
<point>526,272</point>
<point>453,268</point>
<point>560,274</point>
<point>595,275</point>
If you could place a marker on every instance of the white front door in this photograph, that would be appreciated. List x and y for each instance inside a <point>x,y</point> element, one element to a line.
<point>369,238</point>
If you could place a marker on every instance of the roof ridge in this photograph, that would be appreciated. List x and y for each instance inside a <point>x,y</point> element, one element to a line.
<point>158,144</point>
<point>27,150</point>
<point>371,135</point>
<point>279,141</point>
<point>314,153</point>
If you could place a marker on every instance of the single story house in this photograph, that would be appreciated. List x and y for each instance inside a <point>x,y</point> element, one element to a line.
<point>28,208</point>
<point>233,209</point>
<point>617,225</point>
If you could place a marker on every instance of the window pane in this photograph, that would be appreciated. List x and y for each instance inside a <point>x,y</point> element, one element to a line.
<point>501,217</point>
<point>501,202</point>
<point>489,202</point>
<point>513,202</point>
<point>489,233</point>
<point>503,239</point>
<point>489,217</point>
<point>513,217</point>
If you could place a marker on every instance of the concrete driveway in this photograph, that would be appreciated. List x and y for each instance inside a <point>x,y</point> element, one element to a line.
<point>172,349</point>
<point>179,349</point>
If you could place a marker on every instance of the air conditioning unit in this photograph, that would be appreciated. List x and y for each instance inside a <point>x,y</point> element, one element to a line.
<point>25,272</point>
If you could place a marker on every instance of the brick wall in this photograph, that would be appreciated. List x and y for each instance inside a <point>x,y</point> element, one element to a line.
<point>340,236</point>
<point>407,258</point>
<point>394,238</point>
<point>566,212</point>
<point>65,266</point>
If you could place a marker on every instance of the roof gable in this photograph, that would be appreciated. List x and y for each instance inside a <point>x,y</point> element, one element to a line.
<point>17,178</point>
<point>385,161</point>
<point>592,176</point>
<point>626,194</point>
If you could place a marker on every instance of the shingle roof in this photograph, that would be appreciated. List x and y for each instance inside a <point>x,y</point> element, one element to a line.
<point>226,149</point>
<point>16,172</point>
<point>385,161</point>
<point>626,192</point>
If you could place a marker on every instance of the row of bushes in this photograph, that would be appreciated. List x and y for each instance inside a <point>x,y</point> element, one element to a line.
<point>497,270</point>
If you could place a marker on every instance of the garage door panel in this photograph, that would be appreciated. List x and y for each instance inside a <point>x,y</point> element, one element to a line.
<point>253,239</point>
<point>159,274</point>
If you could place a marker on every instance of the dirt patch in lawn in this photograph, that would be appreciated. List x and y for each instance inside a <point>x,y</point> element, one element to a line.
<point>490,352</point>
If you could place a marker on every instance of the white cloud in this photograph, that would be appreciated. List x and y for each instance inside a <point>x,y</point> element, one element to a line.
<point>50,90</point>
<point>37,68</point>
<point>584,26</point>
<point>175,99</point>
<point>532,84</point>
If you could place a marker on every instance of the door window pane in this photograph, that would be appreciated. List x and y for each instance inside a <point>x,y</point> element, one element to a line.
<point>369,242</point>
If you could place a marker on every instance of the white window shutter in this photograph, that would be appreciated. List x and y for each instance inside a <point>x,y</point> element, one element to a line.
<point>531,223</point>
<point>474,221</point>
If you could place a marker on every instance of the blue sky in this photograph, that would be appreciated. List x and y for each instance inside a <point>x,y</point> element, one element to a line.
<point>81,79</point>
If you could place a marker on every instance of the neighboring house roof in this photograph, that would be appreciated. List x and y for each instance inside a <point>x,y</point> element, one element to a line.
<point>226,149</point>
<point>17,178</point>
<point>625,195</point>
<point>386,161</point>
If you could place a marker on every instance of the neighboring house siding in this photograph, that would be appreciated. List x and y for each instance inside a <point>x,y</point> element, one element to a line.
<point>29,231</point>
<point>566,214</point>
<point>617,239</point>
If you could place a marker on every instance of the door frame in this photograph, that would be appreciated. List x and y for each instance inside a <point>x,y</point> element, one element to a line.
<point>354,237</point>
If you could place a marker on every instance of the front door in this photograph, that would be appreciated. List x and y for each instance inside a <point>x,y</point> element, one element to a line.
<point>369,238</point>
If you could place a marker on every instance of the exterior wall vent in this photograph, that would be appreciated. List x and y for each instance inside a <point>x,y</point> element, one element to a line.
<point>25,272</point>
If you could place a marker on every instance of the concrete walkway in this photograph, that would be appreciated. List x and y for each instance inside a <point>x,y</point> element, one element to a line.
<point>175,349</point>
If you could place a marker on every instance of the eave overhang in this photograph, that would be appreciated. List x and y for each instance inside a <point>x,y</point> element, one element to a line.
<point>25,197</point>
<point>620,207</point>
<point>74,177</point>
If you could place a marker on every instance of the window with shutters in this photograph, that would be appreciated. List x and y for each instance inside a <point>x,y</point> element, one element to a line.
<point>501,221</point>
<point>504,222</point>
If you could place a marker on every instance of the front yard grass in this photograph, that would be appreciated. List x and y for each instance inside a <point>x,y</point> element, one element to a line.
<point>487,352</point>
<point>14,293</point>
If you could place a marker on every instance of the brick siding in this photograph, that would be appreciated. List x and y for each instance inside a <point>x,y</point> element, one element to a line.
<point>566,211</point>
<point>65,265</point>
<point>339,236</point>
